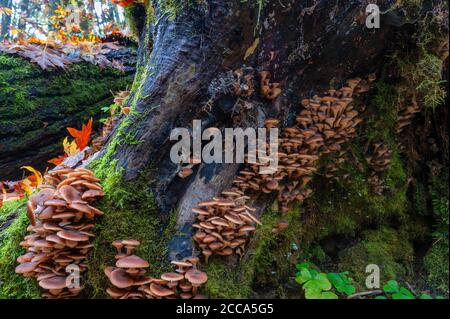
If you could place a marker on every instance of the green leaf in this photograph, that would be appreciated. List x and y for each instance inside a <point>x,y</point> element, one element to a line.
<point>425,296</point>
<point>304,276</point>
<point>403,294</point>
<point>335,279</point>
<point>391,286</point>
<point>348,290</point>
<point>329,295</point>
<point>319,282</point>
<point>342,283</point>
<point>313,293</point>
<point>380,297</point>
<point>408,294</point>
<point>302,266</point>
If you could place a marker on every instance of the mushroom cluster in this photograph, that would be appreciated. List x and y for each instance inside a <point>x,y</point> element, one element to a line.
<point>119,100</point>
<point>269,90</point>
<point>406,115</point>
<point>321,127</point>
<point>224,224</point>
<point>112,119</point>
<point>331,168</point>
<point>61,218</point>
<point>376,184</point>
<point>187,170</point>
<point>380,157</point>
<point>130,282</point>
<point>243,85</point>
<point>108,126</point>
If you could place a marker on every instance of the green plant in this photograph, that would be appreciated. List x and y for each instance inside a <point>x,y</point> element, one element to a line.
<point>342,282</point>
<point>320,285</point>
<point>316,285</point>
<point>398,292</point>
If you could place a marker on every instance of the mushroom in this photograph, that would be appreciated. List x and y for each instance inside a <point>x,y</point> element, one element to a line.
<point>160,291</point>
<point>120,278</point>
<point>130,245</point>
<point>196,278</point>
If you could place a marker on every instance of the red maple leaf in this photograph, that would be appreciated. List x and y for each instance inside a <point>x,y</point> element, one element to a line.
<point>81,137</point>
<point>57,160</point>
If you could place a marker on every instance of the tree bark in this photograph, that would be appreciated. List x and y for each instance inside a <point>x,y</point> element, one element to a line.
<point>306,45</point>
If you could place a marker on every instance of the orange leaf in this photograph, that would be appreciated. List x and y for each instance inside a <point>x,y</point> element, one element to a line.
<point>81,137</point>
<point>57,160</point>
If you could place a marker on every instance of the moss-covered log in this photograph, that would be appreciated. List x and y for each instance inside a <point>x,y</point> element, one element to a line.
<point>36,106</point>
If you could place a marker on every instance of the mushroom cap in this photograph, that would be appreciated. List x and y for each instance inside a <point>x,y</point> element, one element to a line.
<point>120,278</point>
<point>30,213</point>
<point>172,276</point>
<point>57,282</point>
<point>55,202</point>
<point>132,261</point>
<point>181,263</point>
<point>200,211</point>
<point>72,235</point>
<point>84,208</point>
<point>196,277</point>
<point>108,270</point>
<point>41,197</point>
<point>130,242</point>
<point>47,213</point>
<point>160,291</point>
<point>25,258</point>
<point>92,193</point>
<point>115,292</point>
<point>192,259</point>
<point>26,267</point>
<point>70,194</point>
<point>186,295</point>
<point>185,172</point>
<point>117,244</point>
<point>51,226</point>
<point>42,243</point>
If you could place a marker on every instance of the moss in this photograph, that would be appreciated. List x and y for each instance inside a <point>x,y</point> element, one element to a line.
<point>385,247</point>
<point>12,285</point>
<point>436,264</point>
<point>171,8</point>
<point>437,259</point>
<point>130,212</point>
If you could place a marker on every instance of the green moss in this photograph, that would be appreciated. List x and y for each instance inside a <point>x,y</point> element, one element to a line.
<point>171,8</point>
<point>130,212</point>
<point>437,259</point>
<point>436,264</point>
<point>385,247</point>
<point>12,285</point>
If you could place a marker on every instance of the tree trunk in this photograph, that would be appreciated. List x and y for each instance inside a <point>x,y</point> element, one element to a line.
<point>305,45</point>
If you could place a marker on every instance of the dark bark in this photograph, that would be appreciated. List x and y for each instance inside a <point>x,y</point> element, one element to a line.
<point>304,44</point>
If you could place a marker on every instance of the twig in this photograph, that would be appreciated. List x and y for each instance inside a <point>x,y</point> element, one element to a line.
<point>365,293</point>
